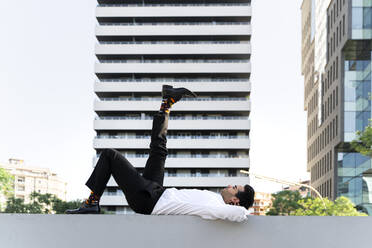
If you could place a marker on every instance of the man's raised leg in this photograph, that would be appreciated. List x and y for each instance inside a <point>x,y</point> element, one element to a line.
<point>154,169</point>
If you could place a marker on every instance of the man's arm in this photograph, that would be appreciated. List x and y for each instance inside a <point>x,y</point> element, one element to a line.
<point>224,212</point>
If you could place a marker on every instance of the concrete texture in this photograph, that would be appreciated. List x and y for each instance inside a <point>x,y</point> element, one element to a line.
<point>21,231</point>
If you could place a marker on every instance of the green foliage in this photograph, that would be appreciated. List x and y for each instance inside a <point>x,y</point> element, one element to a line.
<point>59,206</point>
<point>6,183</point>
<point>40,204</point>
<point>342,206</point>
<point>363,142</point>
<point>285,202</point>
<point>15,205</point>
<point>291,203</point>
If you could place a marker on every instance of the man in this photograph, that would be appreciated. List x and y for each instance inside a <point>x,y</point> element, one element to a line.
<point>146,195</point>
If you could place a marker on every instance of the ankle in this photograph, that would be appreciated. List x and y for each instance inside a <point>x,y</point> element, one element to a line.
<point>166,104</point>
<point>93,198</point>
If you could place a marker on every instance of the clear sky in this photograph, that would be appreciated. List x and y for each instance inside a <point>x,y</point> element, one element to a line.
<point>46,89</point>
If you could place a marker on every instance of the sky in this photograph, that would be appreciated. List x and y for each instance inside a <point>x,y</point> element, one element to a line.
<point>46,90</point>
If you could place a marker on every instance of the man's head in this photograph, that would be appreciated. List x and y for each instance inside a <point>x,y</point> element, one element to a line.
<point>238,195</point>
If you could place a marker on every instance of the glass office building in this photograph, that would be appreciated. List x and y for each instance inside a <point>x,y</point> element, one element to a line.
<point>337,96</point>
<point>353,169</point>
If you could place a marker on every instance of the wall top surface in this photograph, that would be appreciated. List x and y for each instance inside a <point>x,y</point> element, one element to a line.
<point>181,231</point>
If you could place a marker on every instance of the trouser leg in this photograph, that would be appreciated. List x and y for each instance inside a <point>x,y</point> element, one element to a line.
<point>111,162</point>
<point>154,169</point>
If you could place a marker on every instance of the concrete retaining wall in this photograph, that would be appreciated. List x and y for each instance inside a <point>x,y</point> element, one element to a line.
<point>68,231</point>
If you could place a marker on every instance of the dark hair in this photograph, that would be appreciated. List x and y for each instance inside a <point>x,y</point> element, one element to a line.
<point>246,197</point>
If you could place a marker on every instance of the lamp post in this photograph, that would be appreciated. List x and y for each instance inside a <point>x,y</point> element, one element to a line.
<point>285,182</point>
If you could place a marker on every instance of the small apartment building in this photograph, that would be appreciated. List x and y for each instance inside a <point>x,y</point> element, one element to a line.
<point>29,179</point>
<point>262,203</point>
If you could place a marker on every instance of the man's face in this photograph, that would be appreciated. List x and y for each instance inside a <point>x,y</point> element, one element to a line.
<point>229,193</point>
<point>234,189</point>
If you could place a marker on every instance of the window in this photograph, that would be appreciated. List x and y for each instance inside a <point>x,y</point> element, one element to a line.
<point>334,15</point>
<point>111,191</point>
<point>21,188</point>
<point>328,25</point>
<point>111,208</point>
<point>336,95</point>
<point>334,71</point>
<point>328,51</point>
<point>333,125</point>
<point>172,172</point>
<point>334,102</point>
<point>21,179</point>
<point>232,173</point>
<point>334,41</point>
<point>343,25</point>
<point>339,37</point>
<point>205,172</point>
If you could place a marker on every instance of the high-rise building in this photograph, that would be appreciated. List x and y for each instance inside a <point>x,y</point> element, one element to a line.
<point>28,179</point>
<point>203,45</point>
<point>337,96</point>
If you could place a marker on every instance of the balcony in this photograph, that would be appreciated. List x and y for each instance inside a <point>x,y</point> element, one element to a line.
<point>197,86</point>
<point>101,143</point>
<point>173,30</point>
<point>172,48</point>
<point>199,106</point>
<point>173,124</point>
<point>42,231</point>
<point>170,11</point>
<point>193,162</point>
<point>197,181</point>
<point>133,67</point>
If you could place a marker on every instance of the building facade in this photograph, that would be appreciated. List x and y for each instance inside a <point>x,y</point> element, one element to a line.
<point>341,103</point>
<point>262,203</point>
<point>29,179</point>
<point>203,45</point>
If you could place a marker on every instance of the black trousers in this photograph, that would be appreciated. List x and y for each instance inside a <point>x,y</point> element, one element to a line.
<point>141,192</point>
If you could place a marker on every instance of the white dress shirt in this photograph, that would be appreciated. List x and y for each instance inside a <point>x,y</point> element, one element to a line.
<point>203,203</point>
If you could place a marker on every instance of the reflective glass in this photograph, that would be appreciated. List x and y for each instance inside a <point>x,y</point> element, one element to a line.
<point>361,19</point>
<point>357,101</point>
<point>355,179</point>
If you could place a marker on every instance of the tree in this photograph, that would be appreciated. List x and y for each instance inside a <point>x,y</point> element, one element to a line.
<point>342,206</point>
<point>40,204</point>
<point>285,203</point>
<point>59,206</point>
<point>15,205</point>
<point>363,142</point>
<point>6,183</point>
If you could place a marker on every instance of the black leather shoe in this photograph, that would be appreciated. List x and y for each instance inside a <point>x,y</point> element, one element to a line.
<point>92,208</point>
<point>176,93</point>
